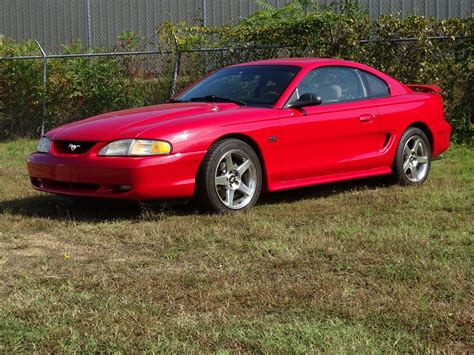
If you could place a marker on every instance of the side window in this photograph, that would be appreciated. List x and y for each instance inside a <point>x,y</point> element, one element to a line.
<point>376,86</point>
<point>333,84</point>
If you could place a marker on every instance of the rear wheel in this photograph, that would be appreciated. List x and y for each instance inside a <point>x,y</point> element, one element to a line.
<point>230,177</point>
<point>413,159</point>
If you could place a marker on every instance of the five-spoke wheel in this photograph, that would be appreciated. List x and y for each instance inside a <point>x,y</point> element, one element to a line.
<point>236,179</point>
<point>413,160</point>
<point>230,177</point>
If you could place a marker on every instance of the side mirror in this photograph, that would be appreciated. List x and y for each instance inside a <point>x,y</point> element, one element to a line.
<point>308,99</point>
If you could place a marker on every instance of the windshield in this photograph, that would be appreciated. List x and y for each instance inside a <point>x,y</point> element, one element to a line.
<point>256,85</point>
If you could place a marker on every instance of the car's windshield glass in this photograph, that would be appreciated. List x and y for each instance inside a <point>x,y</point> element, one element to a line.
<point>256,85</point>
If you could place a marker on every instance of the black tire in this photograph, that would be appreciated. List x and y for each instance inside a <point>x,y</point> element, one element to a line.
<point>404,162</point>
<point>210,195</point>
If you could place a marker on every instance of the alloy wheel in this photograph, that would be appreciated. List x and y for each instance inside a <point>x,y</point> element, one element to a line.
<point>415,159</point>
<point>235,179</point>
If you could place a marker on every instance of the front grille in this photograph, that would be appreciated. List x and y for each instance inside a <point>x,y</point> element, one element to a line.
<point>70,147</point>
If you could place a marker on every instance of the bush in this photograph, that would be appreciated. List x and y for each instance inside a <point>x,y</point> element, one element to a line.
<point>77,87</point>
<point>21,90</point>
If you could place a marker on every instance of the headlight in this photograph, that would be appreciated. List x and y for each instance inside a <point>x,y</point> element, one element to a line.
<point>44,144</point>
<point>136,147</point>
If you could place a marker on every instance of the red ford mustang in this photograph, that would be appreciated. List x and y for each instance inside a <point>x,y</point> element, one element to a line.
<point>266,125</point>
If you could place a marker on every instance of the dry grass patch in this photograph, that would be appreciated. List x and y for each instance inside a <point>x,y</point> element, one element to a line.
<point>355,266</point>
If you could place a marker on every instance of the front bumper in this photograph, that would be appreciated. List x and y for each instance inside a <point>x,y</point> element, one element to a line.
<point>160,177</point>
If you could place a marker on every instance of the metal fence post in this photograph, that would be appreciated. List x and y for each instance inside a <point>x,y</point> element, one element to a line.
<point>204,12</point>
<point>88,24</point>
<point>45,86</point>
<point>177,63</point>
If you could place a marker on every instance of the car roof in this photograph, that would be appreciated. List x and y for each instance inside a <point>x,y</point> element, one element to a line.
<point>300,62</point>
<point>396,87</point>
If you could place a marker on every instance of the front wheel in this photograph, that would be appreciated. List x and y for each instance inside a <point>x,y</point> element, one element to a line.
<point>413,158</point>
<point>230,177</point>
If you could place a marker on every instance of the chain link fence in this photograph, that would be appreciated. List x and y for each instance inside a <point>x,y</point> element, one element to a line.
<point>42,92</point>
<point>101,73</point>
<point>45,91</point>
<point>98,23</point>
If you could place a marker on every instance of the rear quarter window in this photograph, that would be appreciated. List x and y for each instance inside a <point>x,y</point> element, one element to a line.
<point>376,87</point>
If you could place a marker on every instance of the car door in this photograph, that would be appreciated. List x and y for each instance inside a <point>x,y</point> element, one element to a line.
<point>339,135</point>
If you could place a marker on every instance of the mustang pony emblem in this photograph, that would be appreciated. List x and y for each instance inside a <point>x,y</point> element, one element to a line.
<point>73,147</point>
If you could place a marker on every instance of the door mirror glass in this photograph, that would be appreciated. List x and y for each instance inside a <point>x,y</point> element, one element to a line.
<point>307,99</point>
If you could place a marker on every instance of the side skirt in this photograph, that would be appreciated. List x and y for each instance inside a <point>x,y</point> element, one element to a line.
<point>291,184</point>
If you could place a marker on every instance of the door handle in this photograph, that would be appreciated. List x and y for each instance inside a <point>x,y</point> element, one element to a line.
<point>367,118</point>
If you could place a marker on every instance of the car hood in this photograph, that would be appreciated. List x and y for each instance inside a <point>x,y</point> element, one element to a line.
<point>132,123</point>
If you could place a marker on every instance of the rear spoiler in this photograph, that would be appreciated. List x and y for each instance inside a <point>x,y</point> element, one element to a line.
<point>433,89</point>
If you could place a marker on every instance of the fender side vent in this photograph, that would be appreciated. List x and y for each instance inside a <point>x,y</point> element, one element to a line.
<point>387,140</point>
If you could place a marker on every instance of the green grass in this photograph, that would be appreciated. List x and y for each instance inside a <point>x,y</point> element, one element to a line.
<point>348,267</point>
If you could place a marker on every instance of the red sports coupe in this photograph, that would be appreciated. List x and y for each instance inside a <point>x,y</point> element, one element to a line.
<point>266,125</point>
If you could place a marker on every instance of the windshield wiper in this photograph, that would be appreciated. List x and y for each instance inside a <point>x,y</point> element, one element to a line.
<point>214,98</point>
<point>173,101</point>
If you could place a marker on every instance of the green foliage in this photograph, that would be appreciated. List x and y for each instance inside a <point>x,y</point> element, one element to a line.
<point>341,30</point>
<point>77,87</point>
<point>82,87</point>
<point>21,88</point>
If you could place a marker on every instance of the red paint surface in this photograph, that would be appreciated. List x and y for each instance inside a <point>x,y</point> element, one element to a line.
<point>318,144</point>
